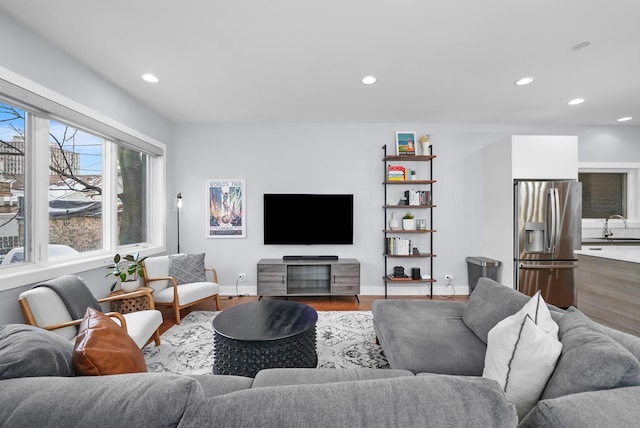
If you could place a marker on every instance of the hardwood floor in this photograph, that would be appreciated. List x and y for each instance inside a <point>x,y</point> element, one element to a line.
<point>319,303</point>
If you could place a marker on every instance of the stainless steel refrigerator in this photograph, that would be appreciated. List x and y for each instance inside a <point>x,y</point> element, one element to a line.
<point>547,231</point>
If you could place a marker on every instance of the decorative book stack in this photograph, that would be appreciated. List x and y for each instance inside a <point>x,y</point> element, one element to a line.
<point>396,173</point>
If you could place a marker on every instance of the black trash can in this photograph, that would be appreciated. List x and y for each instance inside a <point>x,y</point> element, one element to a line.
<point>479,267</point>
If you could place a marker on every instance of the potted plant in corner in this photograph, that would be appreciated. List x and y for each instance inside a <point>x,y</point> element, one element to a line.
<point>126,270</point>
<point>408,222</point>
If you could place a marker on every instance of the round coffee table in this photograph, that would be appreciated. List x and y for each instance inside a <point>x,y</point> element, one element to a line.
<point>266,334</point>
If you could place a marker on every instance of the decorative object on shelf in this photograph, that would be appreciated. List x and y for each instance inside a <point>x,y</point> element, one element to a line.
<point>226,208</point>
<point>394,223</point>
<point>421,224</point>
<point>398,272</point>
<point>406,143</point>
<point>412,176</point>
<point>415,273</point>
<point>424,144</point>
<point>408,222</point>
<point>126,270</point>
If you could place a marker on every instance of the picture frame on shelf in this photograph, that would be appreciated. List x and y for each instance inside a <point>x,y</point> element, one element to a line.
<point>406,143</point>
<point>225,202</point>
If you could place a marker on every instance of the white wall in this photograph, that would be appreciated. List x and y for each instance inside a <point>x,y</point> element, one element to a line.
<point>343,158</point>
<point>28,55</point>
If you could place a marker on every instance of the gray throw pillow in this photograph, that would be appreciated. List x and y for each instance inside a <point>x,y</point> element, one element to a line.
<point>489,303</point>
<point>187,268</point>
<point>590,360</point>
<point>28,351</point>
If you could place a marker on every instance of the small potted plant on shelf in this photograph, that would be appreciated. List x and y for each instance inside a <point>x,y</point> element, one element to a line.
<point>126,271</point>
<point>408,222</point>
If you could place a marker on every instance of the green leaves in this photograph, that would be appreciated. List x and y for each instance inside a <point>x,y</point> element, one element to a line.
<point>124,267</point>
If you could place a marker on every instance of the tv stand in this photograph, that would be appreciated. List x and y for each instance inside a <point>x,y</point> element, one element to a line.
<point>309,277</point>
<point>309,257</point>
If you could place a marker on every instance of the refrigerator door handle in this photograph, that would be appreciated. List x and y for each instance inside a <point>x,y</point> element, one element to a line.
<point>525,266</point>
<point>551,222</point>
<point>556,217</point>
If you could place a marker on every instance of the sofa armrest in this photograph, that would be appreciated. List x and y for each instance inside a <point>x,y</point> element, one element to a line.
<point>595,409</point>
<point>140,399</point>
<point>429,401</point>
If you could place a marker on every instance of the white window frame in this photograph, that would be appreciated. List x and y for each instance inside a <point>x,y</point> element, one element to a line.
<point>632,169</point>
<point>40,100</point>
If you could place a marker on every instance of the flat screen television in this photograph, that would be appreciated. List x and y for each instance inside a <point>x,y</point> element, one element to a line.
<point>308,219</point>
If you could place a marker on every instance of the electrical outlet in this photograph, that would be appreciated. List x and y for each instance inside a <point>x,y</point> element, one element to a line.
<point>242,277</point>
<point>449,276</point>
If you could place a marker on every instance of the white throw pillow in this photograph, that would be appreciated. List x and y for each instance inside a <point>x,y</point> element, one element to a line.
<point>522,352</point>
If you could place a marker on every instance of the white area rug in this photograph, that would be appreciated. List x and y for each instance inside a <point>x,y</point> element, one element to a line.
<point>345,339</point>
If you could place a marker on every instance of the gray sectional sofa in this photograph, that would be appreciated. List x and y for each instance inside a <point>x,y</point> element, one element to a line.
<point>435,350</point>
<point>595,382</point>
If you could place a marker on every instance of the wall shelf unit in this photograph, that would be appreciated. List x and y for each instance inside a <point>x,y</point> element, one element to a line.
<point>400,245</point>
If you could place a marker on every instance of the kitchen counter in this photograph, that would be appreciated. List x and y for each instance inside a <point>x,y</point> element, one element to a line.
<point>608,287</point>
<point>632,256</point>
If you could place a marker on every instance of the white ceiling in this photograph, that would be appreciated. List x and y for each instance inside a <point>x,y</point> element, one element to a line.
<point>301,60</point>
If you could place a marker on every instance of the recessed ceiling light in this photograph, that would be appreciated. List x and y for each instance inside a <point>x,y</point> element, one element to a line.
<point>524,81</point>
<point>369,80</point>
<point>576,101</point>
<point>150,78</point>
<point>624,119</point>
<point>581,45</point>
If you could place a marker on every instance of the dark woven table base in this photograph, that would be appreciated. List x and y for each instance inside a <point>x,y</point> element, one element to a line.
<point>246,358</point>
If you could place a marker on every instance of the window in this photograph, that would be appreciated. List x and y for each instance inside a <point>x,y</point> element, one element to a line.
<point>12,183</point>
<point>603,194</point>
<point>75,190</point>
<point>75,187</point>
<point>609,189</point>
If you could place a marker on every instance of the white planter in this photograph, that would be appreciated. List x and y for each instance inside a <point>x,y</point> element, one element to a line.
<point>129,286</point>
<point>409,223</point>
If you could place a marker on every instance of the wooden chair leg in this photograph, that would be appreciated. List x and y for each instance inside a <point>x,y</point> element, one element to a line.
<point>176,310</point>
<point>217,302</point>
<point>156,337</point>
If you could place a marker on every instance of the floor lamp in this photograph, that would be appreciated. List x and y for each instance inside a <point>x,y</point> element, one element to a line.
<point>178,208</point>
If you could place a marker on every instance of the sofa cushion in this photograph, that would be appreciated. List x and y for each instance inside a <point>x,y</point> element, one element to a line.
<point>31,351</point>
<point>104,348</point>
<point>427,336</point>
<point>597,409</point>
<point>130,400</point>
<point>429,401</point>
<point>522,352</point>
<point>187,268</point>
<point>293,376</point>
<point>219,385</point>
<point>489,303</point>
<point>590,360</point>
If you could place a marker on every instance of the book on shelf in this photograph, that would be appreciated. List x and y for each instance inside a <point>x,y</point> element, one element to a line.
<point>418,197</point>
<point>396,173</point>
<point>398,246</point>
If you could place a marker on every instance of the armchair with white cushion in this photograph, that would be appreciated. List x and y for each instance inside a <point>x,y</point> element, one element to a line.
<point>43,307</point>
<point>180,281</point>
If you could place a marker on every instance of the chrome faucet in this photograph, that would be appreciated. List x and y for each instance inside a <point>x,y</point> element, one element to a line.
<point>607,232</point>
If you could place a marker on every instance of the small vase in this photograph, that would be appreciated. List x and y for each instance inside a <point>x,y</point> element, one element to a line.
<point>409,223</point>
<point>394,224</point>
<point>425,148</point>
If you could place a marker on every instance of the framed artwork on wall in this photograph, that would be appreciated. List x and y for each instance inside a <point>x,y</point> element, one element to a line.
<point>405,143</point>
<point>226,208</point>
